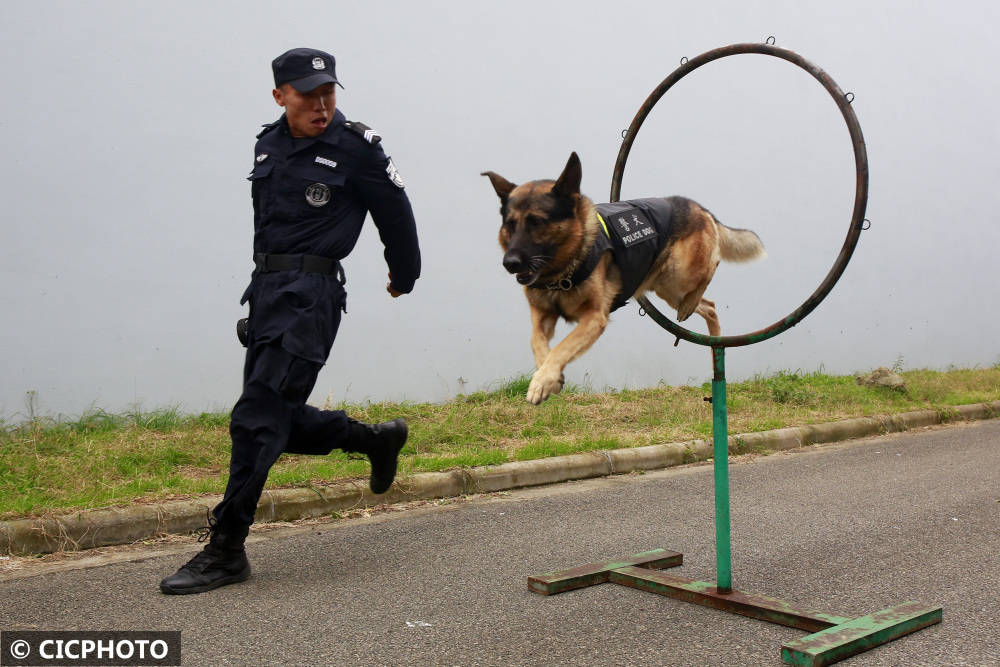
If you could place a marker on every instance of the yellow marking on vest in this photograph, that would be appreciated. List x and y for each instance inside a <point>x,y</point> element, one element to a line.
<point>604,226</point>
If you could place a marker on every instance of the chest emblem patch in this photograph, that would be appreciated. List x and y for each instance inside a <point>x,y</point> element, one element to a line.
<point>325,162</point>
<point>394,176</point>
<point>318,194</point>
<point>632,227</point>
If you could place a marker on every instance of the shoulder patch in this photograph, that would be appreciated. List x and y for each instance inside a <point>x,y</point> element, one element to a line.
<point>393,173</point>
<point>366,133</point>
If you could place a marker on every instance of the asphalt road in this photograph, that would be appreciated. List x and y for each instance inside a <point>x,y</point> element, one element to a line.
<point>848,529</point>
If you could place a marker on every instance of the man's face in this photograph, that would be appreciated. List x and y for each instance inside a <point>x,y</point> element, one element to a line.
<point>309,113</point>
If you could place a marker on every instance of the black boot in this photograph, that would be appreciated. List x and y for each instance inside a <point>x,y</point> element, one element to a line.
<point>381,444</point>
<point>223,561</point>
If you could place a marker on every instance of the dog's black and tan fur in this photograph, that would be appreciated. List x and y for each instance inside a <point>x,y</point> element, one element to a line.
<point>548,230</point>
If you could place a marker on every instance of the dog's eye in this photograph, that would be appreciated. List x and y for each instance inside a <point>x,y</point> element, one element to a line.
<point>532,220</point>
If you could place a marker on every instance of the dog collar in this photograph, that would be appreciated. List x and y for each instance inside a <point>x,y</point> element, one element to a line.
<point>583,271</point>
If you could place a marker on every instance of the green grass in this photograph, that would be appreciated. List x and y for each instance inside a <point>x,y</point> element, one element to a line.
<point>102,459</point>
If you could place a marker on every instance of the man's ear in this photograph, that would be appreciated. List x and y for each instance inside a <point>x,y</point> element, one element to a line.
<point>500,184</point>
<point>279,96</point>
<point>568,182</point>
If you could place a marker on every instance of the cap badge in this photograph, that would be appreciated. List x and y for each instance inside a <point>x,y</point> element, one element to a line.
<point>261,157</point>
<point>319,63</point>
<point>318,194</point>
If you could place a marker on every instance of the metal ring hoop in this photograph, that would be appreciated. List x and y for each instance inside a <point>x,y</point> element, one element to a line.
<point>860,196</point>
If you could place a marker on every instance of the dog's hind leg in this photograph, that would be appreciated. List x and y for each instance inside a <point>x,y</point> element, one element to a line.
<point>703,307</point>
<point>689,303</point>
<point>687,271</point>
<point>707,310</point>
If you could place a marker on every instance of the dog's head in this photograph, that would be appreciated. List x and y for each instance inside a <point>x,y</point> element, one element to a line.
<point>542,222</point>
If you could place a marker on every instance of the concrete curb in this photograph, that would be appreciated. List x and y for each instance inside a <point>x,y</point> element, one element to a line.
<point>96,528</point>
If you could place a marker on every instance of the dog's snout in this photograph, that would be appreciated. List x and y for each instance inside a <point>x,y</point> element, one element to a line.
<point>513,262</point>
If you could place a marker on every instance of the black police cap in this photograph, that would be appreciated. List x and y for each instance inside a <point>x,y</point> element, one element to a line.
<point>305,69</point>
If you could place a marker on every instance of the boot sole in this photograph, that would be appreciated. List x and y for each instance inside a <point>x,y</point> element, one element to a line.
<point>225,581</point>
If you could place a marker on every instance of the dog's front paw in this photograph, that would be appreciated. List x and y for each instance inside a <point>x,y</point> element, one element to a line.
<point>544,384</point>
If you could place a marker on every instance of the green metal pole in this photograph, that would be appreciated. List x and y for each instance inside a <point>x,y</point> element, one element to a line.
<point>720,433</point>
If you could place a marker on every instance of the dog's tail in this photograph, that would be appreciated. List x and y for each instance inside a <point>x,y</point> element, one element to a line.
<point>739,245</point>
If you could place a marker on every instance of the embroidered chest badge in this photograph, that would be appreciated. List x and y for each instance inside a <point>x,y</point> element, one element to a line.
<point>318,194</point>
<point>326,163</point>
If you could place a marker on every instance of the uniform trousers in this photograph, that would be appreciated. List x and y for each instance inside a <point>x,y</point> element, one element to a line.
<point>271,417</point>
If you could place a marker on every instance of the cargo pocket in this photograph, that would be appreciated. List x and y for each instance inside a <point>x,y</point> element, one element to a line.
<point>312,326</point>
<point>300,295</point>
<point>299,380</point>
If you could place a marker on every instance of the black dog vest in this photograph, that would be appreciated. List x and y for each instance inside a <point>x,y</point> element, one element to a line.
<point>635,231</point>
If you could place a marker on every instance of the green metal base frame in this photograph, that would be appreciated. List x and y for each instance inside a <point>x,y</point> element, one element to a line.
<point>834,638</point>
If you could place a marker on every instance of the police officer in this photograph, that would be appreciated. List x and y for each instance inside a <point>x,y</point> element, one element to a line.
<point>315,177</point>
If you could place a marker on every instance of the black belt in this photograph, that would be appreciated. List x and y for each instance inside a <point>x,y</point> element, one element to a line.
<point>309,263</point>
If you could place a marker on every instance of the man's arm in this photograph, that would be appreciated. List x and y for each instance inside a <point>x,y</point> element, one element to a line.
<point>381,187</point>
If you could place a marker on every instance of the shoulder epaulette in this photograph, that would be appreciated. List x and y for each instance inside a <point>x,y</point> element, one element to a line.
<point>366,133</point>
<point>268,128</point>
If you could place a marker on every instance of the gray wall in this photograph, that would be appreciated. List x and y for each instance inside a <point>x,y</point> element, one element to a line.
<point>125,241</point>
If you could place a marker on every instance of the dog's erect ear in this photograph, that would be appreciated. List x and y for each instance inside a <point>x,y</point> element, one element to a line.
<point>500,184</point>
<point>569,181</point>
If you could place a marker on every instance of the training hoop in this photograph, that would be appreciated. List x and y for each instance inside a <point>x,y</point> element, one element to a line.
<point>860,197</point>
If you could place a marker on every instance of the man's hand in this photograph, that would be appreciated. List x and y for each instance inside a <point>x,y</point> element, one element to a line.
<point>390,290</point>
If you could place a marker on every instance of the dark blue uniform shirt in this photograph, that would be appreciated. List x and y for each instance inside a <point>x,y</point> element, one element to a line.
<point>311,196</point>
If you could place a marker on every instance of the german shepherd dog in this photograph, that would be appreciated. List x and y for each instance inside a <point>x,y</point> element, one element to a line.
<point>571,265</point>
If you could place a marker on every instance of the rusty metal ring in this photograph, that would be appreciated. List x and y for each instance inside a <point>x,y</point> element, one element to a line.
<point>860,193</point>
